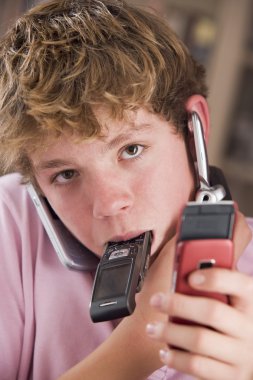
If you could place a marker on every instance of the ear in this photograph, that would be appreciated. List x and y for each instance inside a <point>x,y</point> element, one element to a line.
<point>199,104</point>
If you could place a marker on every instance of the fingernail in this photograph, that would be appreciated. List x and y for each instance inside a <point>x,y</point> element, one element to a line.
<point>151,329</point>
<point>165,356</point>
<point>157,299</point>
<point>197,279</point>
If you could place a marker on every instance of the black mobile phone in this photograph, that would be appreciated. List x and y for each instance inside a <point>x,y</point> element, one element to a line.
<point>119,276</point>
<point>69,250</point>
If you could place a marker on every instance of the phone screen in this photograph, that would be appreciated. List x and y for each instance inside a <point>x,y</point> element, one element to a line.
<point>112,282</point>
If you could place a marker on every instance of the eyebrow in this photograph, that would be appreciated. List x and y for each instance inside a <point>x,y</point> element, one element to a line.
<point>118,140</point>
<point>122,137</point>
<point>52,164</point>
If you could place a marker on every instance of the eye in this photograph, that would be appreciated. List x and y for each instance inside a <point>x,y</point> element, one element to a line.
<point>65,176</point>
<point>132,151</point>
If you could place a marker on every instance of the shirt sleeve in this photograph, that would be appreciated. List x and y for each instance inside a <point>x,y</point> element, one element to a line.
<point>16,329</point>
<point>11,297</point>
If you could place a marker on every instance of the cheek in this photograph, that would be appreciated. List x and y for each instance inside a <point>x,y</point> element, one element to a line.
<point>168,187</point>
<point>74,213</point>
<point>70,209</point>
<point>168,181</point>
<point>77,219</point>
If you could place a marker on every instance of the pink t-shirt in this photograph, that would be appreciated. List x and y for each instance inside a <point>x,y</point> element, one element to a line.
<point>45,327</point>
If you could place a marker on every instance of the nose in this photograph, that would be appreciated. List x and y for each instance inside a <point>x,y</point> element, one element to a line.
<point>111,196</point>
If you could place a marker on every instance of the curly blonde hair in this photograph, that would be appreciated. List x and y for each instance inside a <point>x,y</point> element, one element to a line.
<point>64,57</point>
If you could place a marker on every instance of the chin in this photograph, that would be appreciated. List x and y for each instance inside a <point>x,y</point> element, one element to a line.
<point>160,243</point>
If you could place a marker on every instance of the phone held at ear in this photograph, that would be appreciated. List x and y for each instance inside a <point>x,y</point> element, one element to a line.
<point>71,253</point>
<point>205,229</point>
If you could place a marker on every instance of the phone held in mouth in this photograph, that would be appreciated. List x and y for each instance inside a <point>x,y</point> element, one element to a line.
<point>119,277</point>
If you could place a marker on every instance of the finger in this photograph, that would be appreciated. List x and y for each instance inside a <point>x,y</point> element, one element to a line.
<point>200,340</point>
<point>235,284</point>
<point>205,311</point>
<point>197,366</point>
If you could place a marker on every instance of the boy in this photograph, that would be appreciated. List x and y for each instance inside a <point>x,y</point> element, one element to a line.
<point>95,102</point>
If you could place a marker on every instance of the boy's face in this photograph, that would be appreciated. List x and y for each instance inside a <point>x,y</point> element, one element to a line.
<point>136,178</point>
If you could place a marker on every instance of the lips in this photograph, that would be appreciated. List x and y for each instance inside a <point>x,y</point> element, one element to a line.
<point>125,237</point>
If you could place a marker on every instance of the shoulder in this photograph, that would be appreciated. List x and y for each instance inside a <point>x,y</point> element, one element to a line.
<point>11,179</point>
<point>245,263</point>
<point>12,192</point>
<point>18,217</point>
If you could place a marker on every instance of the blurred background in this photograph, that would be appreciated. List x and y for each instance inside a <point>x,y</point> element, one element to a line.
<point>219,33</point>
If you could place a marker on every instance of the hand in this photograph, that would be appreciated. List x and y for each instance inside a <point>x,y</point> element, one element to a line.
<point>221,345</point>
<point>109,360</point>
<point>158,278</point>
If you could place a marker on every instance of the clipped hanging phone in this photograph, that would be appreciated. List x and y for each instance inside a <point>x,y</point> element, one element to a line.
<point>206,226</point>
<point>71,253</point>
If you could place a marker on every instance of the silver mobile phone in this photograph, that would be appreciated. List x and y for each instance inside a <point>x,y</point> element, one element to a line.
<point>69,250</point>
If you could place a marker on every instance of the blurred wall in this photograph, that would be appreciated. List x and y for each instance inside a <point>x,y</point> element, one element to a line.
<point>219,33</point>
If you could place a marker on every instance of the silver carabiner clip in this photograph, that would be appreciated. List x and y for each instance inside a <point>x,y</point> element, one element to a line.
<point>205,193</point>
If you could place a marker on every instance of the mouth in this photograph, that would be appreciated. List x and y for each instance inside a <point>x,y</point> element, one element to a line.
<point>128,236</point>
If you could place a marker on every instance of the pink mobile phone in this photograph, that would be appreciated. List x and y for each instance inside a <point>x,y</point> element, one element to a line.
<point>205,240</point>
